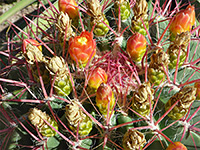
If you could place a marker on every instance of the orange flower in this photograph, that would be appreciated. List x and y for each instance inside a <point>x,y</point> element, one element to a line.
<point>31,41</point>
<point>182,21</point>
<point>176,146</point>
<point>136,46</point>
<point>96,77</point>
<point>82,48</point>
<point>69,7</point>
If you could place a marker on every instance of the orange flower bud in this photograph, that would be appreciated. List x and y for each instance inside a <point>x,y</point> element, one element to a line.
<point>182,21</point>
<point>69,7</point>
<point>136,46</point>
<point>105,95</point>
<point>82,48</point>
<point>176,146</point>
<point>96,77</point>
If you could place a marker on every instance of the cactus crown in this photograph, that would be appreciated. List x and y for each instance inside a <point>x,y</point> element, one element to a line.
<point>104,75</point>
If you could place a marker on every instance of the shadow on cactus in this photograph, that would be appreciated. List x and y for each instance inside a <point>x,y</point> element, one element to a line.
<point>102,75</point>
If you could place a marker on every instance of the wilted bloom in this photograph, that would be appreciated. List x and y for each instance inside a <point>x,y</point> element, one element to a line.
<point>105,96</point>
<point>96,77</point>
<point>82,48</point>
<point>38,118</point>
<point>56,66</point>
<point>97,16</point>
<point>186,97</point>
<point>77,119</point>
<point>176,146</point>
<point>32,42</point>
<point>182,21</point>
<point>136,46</point>
<point>133,140</point>
<point>32,51</point>
<point>69,7</point>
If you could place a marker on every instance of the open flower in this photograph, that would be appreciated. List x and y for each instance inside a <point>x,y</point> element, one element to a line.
<point>182,21</point>
<point>82,48</point>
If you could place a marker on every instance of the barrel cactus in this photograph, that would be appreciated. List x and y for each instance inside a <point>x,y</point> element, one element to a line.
<point>102,75</point>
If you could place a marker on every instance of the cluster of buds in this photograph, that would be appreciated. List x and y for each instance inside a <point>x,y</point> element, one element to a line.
<point>64,26</point>
<point>124,7</point>
<point>105,99</point>
<point>186,97</point>
<point>179,44</point>
<point>133,139</point>
<point>82,48</point>
<point>159,62</point>
<point>77,119</point>
<point>142,99</point>
<point>97,18</point>
<point>182,22</point>
<point>140,16</point>
<point>38,118</point>
<point>57,67</point>
<point>136,46</point>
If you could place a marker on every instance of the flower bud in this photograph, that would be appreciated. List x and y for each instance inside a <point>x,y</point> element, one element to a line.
<point>69,7</point>
<point>96,77</point>
<point>136,46</point>
<point>176,146</point>
<point>104,96</point>
<point>182,21</point>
